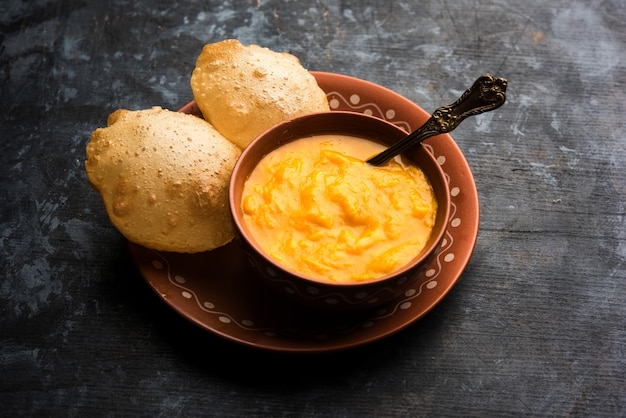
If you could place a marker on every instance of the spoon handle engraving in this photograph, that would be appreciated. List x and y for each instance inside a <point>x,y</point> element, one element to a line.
<point>487,93</point>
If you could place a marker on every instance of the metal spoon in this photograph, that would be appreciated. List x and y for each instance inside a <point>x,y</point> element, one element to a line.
<point>487,93</point>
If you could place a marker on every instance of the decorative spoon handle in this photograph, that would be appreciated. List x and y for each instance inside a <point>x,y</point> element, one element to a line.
<point>487,93</point>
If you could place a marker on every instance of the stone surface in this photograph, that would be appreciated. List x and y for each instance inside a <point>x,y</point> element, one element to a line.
<point>535,327</point>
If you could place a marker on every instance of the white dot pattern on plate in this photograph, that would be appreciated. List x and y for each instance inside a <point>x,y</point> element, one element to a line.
<point>187,293</point>
<point>313,290</point>
<point>338,101</point>
<point>444,255</point>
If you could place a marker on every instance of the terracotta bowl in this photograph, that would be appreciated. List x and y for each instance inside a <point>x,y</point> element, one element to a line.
<point>322,294</point>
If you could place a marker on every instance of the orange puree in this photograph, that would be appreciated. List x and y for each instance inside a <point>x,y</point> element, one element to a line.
<point>317,208</point>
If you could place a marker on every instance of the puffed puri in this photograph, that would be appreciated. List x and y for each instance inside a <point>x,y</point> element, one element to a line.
<point>244,90</point>
<point>163,177</point>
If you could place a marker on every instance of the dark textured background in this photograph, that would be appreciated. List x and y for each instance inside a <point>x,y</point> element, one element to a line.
<point>535,327</point>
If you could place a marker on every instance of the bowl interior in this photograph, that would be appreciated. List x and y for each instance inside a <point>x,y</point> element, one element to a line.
<point>349,123</point>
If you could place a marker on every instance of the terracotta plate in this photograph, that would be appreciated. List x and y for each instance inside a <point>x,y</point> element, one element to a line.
<point>219,291</point>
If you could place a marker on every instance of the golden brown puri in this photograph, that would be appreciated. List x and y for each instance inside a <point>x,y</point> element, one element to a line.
<point>244,90</point>
<point>163,177</point>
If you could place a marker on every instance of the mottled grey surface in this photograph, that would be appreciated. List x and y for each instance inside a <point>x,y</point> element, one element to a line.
<point>535,327</point>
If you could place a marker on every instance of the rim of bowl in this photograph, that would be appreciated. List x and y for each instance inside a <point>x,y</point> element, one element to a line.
<point>244,232</point>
